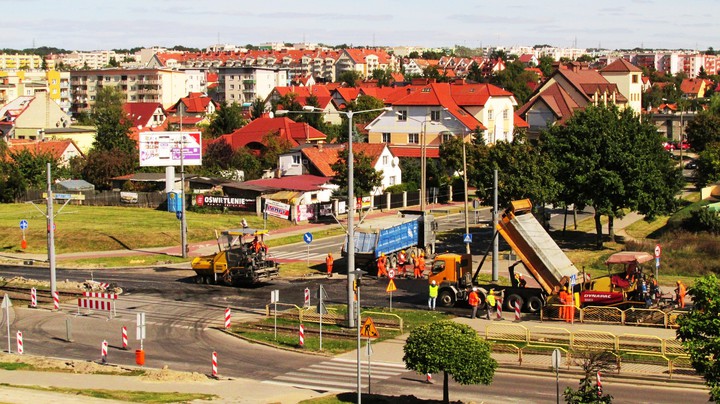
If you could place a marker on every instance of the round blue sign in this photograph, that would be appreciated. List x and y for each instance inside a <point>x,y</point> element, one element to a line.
<point>307,237</point>
<point>23,224</point>
<point>178,214</point>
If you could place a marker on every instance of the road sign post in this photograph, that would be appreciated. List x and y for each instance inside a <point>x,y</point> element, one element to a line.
<point>321,308</point>
<point>467,238</point>
<point>556,356</point>
<point>140,328</point>
<point>274,299</point>
<point>308,237</point>
<point>658,251</point>
<point>6,305</point>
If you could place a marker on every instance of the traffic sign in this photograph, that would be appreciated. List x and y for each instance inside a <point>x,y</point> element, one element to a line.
<point>391,286</point>
<point>556,355</point>
<point>23,224</point>
<point>658,250</point>
<point>368,329</point>
<point>6,303</point>
<point>308,237</point>
<point>178,214</point>
<point>467,238</point>
<point>391,273</point>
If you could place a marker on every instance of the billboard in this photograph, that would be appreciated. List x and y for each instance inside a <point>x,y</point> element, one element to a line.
<point>162,149</point>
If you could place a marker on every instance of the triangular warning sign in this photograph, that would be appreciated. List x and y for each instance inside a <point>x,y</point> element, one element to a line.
<point>391,286</point>
<point>368,329</point>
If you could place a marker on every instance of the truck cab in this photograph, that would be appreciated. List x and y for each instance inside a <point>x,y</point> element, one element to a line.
<point>453,274</point>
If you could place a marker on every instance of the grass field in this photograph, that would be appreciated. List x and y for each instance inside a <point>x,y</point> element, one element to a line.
<point>92,228</point>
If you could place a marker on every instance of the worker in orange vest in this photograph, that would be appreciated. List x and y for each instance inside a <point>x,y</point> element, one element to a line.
<point>329,264</point>
<point>419,266</point>
<point>382,266</point>
<point>564,300</point>
<point>680,293</point>
<point>473,301</point>
<point>402,260</point>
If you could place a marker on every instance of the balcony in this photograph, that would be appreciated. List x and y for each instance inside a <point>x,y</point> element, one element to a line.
<point>250,81</point>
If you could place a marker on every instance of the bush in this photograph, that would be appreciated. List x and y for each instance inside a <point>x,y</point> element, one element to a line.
<point>702,220</point>
<point>400,188</point>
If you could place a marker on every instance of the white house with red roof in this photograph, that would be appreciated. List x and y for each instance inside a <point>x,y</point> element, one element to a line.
<point>253,135</point>
<point>318,159</point>
<point>27,117</point>
<point>193,109</point>
<point>60,150</point>
<point>145,114</point>
<point>301,94</point>
<point>364,61</point>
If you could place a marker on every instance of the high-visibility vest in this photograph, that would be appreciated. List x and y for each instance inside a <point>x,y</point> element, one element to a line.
<point>490,300</point>
<point>473,299</point>
<point>433,291</point>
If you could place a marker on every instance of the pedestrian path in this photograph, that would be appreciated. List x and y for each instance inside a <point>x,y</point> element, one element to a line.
<point>337,375</point>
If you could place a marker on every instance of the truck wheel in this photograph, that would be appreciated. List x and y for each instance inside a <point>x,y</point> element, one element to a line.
<point>534,304</point>
<point>198,279</point>
<point>392,261</point>
<point>446,298</point>
<point>510,302</point>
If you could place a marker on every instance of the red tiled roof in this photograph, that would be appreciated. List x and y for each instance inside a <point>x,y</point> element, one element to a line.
<point>320,91</point>
<point>476,94</point>
<point>195,103</point>
<point>293,183</point>
<point>519,122</point>
<point>140,113</point>
<point>439,94</point>
<point>556,99</point>
<point>526,58</point>
<point>414,151</point>
<point>590,81</point>
<point>692,86</point>
<point>325,155</point>
<point>292,132</point>
<point>359,55</point>
<point>56,148</point>
<point>620,66</point>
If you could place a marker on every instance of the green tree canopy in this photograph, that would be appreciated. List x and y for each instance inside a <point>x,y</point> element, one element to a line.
<point>111,122</point>
<point>257,108</point>
<point>226,119</point>
<point>383,76</point>
<point>102,165</point>
<point>349,77</point>
<point>708,162</point>
<point>699,331</point>
<point>453,349</point>
<point>365,177</point>
<point>274,147</point>
<point>703,130</point>
<point>610,160</point>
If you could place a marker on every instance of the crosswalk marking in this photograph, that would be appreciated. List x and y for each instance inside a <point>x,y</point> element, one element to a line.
<point>336,375</point>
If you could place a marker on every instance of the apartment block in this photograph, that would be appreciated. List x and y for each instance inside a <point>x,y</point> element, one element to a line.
<point>244,84</point>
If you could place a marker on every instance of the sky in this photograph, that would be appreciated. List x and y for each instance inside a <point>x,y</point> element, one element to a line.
<point>122,24</point>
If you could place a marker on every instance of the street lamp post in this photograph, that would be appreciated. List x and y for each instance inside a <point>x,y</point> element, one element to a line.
<point>351,200</point>
<point>183,220</point>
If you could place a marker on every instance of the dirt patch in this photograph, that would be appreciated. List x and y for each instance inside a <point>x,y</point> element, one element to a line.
<point>62,286</point>
<point>167,375</point>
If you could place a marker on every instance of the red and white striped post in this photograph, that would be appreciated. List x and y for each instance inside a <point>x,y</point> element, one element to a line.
<point>214,364</point>
<point>227,318</point>
<point>124,338</point>
<point>56,300</point>
<point>33,298</point>
<point>301,334</point>
<point>499,309</point>
<point>19,343</point>
<point>103,351</point>
<point>517,310</point>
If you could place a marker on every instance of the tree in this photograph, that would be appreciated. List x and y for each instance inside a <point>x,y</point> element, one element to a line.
<point>218,156</point>
<point>515,79</point>
<point>102,165</point>
<point>111,122</point>
<point>366,178</point>
<point>384,77</point>
<point>226,119</point>
<point>610,160</point>
<point>545,64</point>
<point>699,331</point>
<point>703,130</point>
<point>708,170</point>
<point>274,147</point>
<point>257,108</point>
<point>453,349</point>
<point>588,392</point>
<point>248,162</point>
<point>349,77</point>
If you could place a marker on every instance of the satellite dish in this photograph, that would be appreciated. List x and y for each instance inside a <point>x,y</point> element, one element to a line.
<point>271,114</point>
<point>395,161</point>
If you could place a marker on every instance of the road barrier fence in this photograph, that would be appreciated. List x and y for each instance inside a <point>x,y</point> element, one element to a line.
<point>612,315</point>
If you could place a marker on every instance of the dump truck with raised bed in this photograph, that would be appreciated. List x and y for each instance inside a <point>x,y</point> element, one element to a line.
<point>411,231</point>
<point>242,259</point>
<point>538,252</point>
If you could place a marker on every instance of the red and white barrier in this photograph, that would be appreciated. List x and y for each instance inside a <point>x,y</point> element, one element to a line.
<point>56,300</point>
<point>301,334</point>
<point>94,304</point>
<point>33,298</point>
<point>499,309</point>
<point>19,343</point>
<point>214,364</point>
<point>103,351</point>
<point>98,295</point>
<point>124,338</point>
<point>517,310</point>
<point>227,318</point>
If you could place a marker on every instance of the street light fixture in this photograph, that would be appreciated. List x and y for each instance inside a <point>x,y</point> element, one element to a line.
<point>351,199</point>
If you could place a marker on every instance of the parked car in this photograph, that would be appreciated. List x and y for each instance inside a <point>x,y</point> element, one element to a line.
<point>691,165</point>
<point>668,146</point>
<point>684,145</point>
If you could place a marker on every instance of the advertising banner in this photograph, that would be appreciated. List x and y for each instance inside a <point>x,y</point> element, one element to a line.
<point>305,212</point>
<point>277,209</point>
<point>163,149</point>
<point>225,202</point>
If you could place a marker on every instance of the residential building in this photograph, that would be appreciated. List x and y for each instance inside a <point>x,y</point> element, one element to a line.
<point>193,110</point>
<point>284,129</point>
<point>20,62</point>
<point>91,60</point>
<point>364,61</point>
<point>164,86</point>
<point>27,117</point>
<point>628,79</point>
<point>16,83</point>
<point>321,93</point>
<point>244,84</point>
<point>62,150</point>
<point>145,114</point>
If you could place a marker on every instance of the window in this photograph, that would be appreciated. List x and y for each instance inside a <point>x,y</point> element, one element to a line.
<point>446,137</point>
<point>506,114</point>
<point>402,115</point>
<point>413,138</point>
<point>392,180</point>
<point>385,160</point>
<point>434,116</point>
<point>386,137</point>
<point>634,78</point>
<point>490,114</point>
<point>232,86</point>
<point>296,159</point>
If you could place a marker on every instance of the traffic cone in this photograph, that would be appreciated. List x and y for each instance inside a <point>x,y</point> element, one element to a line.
<point>429,379</point>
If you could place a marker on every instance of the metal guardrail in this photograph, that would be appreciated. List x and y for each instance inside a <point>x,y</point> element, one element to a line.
<point>611,315</point>
<point>309,315</point>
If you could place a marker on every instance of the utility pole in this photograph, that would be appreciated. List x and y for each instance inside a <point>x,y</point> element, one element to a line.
<point>51,232</point>
<point>467,225</point>
<point>496,242</point>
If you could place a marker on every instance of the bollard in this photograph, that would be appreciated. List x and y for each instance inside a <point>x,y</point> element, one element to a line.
<point>214,364</point>
<point>33,298</point>
<point>517,310</point>
<point>124,338</point>
<point>227,318</point>
<point>301,334</point>
<point>56,300</point>
<point>19,343</point>
<point>499,309</point>
<point>68,330</point>
<point>103,352</point>
<point>140,357</point>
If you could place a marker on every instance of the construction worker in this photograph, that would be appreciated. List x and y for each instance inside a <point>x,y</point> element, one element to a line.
<point>401,261</point>
<point>419,266</point>
<point>244,223</point>
<point>382,266</point>
<point>432,295</point>
<point>490,302</point>
<point>329,264</point>
<point>521,280</point>
<point>564,300</point>
<point>680,293</point>
<point>473,301</point>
